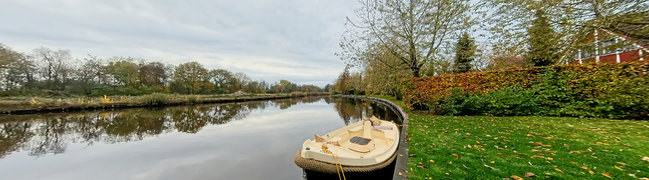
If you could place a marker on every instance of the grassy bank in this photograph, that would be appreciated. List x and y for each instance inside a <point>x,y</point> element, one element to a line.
<point>27,105</point>
<point>483,147</point>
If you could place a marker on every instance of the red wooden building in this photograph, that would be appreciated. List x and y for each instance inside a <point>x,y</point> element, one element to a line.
<point>604,46</point>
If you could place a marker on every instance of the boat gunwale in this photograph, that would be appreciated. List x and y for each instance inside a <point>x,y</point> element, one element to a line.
<point>402,158</point>
<point>364,160</point>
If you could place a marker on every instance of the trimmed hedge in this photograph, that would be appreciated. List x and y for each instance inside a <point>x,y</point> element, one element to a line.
<point>424,92</point>
<point>617,91</point>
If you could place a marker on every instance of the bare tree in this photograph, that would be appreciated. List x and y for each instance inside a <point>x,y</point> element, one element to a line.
<point>16,70</point>
<point>93,71</point>
<point>411,30</point>
<point>241,80</point>
<point>54,67</point>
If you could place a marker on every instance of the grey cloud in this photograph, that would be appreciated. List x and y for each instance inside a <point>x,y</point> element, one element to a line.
<point>270,40</point>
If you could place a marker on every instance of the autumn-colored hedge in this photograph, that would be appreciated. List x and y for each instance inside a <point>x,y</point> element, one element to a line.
<point>422,92</point>
<point>592,90</point>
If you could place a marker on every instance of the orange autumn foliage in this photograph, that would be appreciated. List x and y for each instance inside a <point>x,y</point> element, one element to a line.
<point>599,90</point>
<point>430,90</point>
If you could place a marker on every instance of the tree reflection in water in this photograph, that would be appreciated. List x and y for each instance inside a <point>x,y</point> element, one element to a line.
<point>51,133</point>
<point>353,110</point>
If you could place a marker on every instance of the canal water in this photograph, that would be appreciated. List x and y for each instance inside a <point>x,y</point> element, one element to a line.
<point>246,140</point>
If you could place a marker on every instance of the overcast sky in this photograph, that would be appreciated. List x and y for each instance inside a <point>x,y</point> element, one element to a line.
<point>266,39</point>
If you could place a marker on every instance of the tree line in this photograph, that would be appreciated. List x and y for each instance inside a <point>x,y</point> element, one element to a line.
<point>391,40</point>
<point>48,72</point>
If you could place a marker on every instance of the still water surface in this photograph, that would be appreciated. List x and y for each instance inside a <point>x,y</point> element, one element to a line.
<point>248,140</point>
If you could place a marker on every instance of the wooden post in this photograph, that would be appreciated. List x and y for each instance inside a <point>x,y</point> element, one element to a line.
<point>579,57</point>
<point>617,52</point>
<point>596,47</point>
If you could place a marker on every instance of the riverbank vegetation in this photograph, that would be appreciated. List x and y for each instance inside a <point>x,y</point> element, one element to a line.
<point>23,105</point>
<point>51,80</point>
<point>54,73</point>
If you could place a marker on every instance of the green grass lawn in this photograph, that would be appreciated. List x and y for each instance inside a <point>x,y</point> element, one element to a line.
<point>481,147</point>
<point>550,147</point>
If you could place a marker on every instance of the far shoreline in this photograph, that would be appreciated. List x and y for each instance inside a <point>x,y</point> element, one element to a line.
<point>38,105</point>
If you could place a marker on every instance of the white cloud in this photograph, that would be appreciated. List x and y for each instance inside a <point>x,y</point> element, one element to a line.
<point>267,39</point>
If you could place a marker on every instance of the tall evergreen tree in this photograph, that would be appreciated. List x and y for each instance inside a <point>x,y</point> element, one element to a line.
<point>464,53</point>
<point>542,41</point>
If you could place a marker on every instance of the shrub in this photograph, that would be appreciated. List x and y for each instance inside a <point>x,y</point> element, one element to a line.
<point>591,90</point>
<point>296,94</point>
<point>423,92</point>
<point>511,101</point>
<point>155,99</point>
<point>620,89</point>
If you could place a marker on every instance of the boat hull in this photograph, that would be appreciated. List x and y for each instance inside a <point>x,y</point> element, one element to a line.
<point>325,167</point>
<point>364,146</point>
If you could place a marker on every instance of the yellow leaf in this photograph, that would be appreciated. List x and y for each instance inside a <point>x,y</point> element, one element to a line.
<point>621,163</point>
<point>492,162</point>
<point>431,161</point>
<point>457,156</point>
<point>591,172</point>
<point>558,170</point>
<point>608,175</point>
<point>515,177</point>
<point>619,168</point>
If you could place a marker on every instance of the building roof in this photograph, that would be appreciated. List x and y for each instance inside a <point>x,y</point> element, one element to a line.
<point>633,26</point>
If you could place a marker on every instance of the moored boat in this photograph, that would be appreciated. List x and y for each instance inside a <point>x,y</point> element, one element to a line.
<point>363,146</point>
